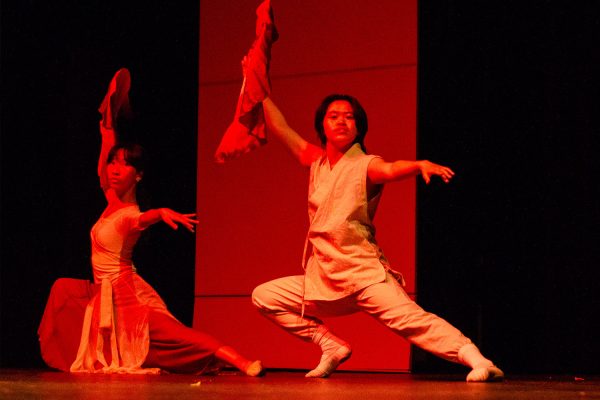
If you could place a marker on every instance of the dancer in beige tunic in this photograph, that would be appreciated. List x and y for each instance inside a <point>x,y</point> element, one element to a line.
<point>119,324</point>
<point>345,270</point>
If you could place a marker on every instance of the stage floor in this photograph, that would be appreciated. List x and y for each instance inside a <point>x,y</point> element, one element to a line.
<point>285,385</point>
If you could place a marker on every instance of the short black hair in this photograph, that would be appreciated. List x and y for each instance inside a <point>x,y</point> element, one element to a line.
<point>133,154</point>
<point>360,117</point>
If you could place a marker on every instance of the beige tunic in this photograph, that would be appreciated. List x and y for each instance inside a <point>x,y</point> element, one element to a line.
<point>343,256</point>
<point>115,335</point>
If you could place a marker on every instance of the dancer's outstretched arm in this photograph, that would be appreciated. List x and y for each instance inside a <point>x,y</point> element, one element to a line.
<point>380,171</point>
<point>169,217</point>
<point>302,150</point>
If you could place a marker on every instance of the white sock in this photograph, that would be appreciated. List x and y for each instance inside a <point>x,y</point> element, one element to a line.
<point>335,351</point>
<point>485,374</point>
<point>483,370</point>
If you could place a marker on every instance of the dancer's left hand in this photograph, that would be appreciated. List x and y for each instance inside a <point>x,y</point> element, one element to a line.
<point>172,218</point>
<point>428,169</point>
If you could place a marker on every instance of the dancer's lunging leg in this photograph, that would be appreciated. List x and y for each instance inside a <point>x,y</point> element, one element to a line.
<point>280,301</point>
<point>390,305</point>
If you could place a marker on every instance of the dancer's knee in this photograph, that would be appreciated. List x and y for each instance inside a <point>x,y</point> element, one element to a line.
<point>70,288</point>
<point>267,298</point>
<point>283,294</point>
<point>261,296</point>
<point>62,284</point>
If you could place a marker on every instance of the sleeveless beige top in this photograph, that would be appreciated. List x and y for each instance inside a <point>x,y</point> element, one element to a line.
<point>343,256</point>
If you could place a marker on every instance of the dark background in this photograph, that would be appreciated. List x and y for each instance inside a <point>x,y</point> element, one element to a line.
<point>508,97</point>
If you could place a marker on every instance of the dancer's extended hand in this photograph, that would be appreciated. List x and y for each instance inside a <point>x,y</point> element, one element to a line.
<point>172,218</point>
<point>428,169</point>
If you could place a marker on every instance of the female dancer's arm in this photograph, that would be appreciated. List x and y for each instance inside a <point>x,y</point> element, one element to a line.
<point>302,150</point>
<point>169,217</point>
<point>109,139</point>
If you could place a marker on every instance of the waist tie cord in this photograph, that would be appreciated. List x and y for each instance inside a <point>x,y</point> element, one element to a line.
<point>308,248</point>
<point>106,305</point>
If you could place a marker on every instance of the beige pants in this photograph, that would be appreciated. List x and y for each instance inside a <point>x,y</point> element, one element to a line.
<point>280,300</point>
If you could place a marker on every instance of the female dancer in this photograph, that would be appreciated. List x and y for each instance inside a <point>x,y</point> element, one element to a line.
<point>345,270</point>
<point>126,326</point>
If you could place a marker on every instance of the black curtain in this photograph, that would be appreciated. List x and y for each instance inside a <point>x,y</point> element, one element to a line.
<point>508,97</point>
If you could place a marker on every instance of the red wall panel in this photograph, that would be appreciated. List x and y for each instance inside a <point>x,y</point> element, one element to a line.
<point>316,35</point>
<point>253,210</point>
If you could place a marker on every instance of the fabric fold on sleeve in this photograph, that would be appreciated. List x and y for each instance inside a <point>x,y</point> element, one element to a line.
<point>248,130</point>
<point>116,100</point>
<point>106,306</point>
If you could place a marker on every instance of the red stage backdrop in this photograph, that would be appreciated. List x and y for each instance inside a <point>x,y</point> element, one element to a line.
<point>253,210</point>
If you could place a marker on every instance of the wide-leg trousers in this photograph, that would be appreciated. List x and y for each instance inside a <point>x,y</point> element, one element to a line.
<point>172,346</point>
<point>281,301</point>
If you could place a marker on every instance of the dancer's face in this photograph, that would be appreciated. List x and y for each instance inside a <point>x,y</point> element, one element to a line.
<point>339,125</point>
<point>122,177</point>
